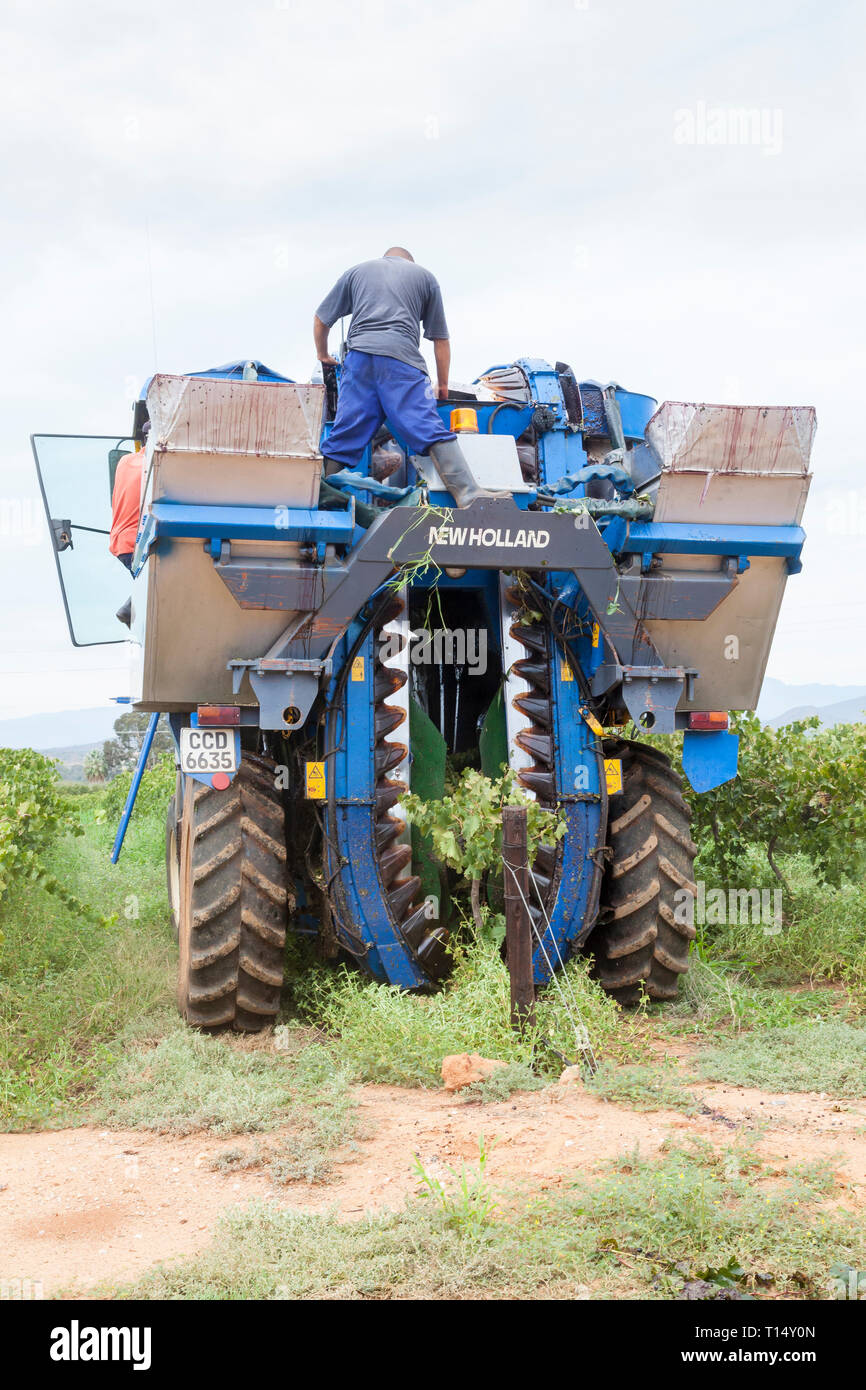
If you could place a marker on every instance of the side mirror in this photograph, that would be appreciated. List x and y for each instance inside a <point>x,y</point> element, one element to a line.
<point>61,535</point>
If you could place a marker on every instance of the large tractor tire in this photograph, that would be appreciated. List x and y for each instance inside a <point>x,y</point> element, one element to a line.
<point>641,942</point>
<point>234,900</point>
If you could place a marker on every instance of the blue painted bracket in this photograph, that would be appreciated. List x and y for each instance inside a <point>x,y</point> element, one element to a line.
<point>310,526</point>
<point>709,759</point>
<point>133,790</point>
<point>680,538</point>
<point>353,768</point>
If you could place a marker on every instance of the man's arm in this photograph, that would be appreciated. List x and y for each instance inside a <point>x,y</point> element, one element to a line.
<point>442,353</point>
<point>332,307</point>
<point>320,337</point>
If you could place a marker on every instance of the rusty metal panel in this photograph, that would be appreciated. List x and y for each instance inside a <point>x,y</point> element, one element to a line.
<point>733,438</point>
<point>729,464</point>
<point>194,627</point>
<point>220,443</point>
<point>732,463</point>
<point>252,443</point>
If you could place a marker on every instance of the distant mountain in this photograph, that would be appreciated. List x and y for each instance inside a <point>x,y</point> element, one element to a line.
<point>843,712</point>
<point>779,700</point>
<point>66,729</point>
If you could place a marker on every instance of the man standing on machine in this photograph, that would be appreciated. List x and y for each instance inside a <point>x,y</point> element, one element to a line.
<point>384,374</point>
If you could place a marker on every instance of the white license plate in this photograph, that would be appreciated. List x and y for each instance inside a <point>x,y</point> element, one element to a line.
<point>208,750</point>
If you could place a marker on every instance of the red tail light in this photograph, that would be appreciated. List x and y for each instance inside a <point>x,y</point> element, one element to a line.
<point>221,716</point>
<point>709,719</point>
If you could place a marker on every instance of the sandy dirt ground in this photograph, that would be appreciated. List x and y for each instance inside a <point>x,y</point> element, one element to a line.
<point>82,1206</point>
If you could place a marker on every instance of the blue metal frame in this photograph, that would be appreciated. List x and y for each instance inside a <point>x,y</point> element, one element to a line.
<point>308,525</point>
<point>680,538</point>
<point>134,786</point>
<point>579,796</point>
<point>351,861</point>
<point>352,765</point>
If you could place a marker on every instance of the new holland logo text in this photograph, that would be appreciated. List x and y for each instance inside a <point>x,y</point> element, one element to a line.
<point>494,538</point>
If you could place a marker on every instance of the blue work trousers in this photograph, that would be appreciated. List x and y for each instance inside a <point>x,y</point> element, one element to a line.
<point>373,389</point>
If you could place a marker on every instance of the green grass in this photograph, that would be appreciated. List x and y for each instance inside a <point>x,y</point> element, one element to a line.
<point>466,1202</point>
<point>827,1057</point>
<point>190,1082</point>
<point>69,986</point>
<point>697,1208</point>
<point>642,1088</point>
<point>388,1036</point>
<point>823,934</point>
<point>643,1229</point>
<point>718,993</point>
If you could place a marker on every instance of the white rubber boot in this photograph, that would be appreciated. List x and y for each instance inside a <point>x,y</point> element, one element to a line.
<point>456,475</point>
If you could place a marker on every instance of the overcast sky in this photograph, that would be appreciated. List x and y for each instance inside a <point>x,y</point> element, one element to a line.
<point>183,182</point>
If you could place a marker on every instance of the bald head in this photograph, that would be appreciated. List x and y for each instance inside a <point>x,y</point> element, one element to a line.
<point>401,252</point>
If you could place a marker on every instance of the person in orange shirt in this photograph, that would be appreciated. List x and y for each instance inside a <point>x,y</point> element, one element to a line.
<point>126,503</point>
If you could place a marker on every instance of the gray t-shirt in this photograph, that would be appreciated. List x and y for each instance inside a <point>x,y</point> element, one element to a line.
<point>388,300</point>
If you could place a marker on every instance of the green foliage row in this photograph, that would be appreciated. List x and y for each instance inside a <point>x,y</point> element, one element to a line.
<point>120,753</point>
<point>799,789</point>
<point>157,786</point>
<point>465,826</point>
<point>71,980</point>
<point>34,813</point>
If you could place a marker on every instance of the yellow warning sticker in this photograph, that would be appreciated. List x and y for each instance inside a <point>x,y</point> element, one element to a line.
<point>315,781</point>
<point>358,669</point>
<point>613,775</point>
<point>565,672</point>
<point>596,633</point>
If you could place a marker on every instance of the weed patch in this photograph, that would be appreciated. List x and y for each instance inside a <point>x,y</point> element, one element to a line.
<point>827,1057</point>
<point>646,1228</point>
<point>191,1081</point>
<point>466,1203</point>
<point>642,1088</point>
<point>68,984</point>
<point>502,1083</point>
<point>389,1036</point>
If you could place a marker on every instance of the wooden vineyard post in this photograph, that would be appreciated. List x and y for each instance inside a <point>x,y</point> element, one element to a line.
<point>518,925</point>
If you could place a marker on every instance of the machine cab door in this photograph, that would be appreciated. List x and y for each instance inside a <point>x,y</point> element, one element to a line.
<point>76,477</point>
